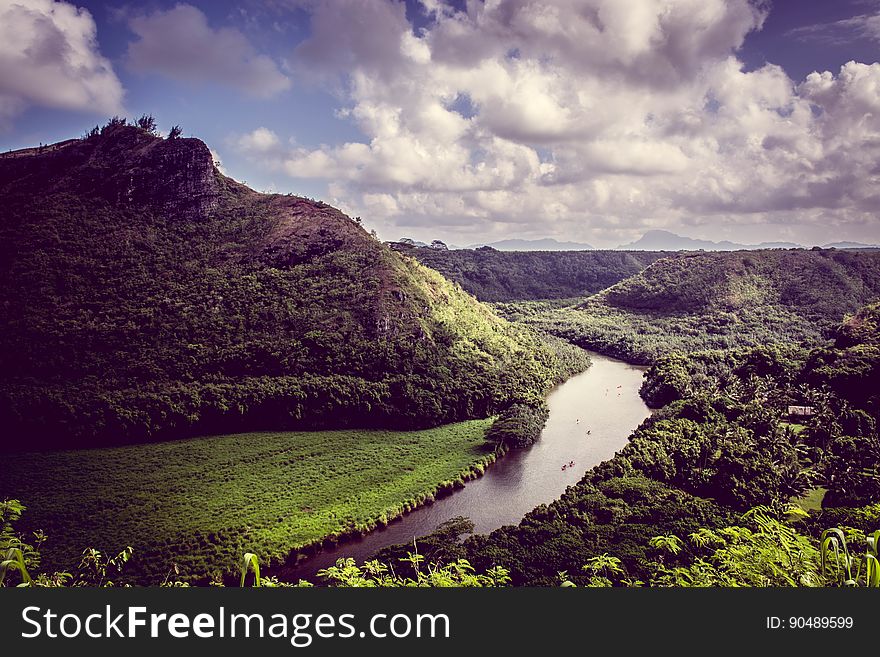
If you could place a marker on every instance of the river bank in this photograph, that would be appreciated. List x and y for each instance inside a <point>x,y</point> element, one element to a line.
<point>591,417</point>
<point>200,503</point>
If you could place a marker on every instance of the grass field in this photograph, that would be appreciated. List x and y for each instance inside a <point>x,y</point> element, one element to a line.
<point>797,428</point>
<point>812,501</point>
<point>200,503</point>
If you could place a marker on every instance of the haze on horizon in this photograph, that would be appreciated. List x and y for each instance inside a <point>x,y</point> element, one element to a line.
<point>579,120</point>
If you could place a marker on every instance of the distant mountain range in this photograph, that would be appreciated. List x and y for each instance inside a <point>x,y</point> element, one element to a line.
<point>663,240</point>
<point>653,240</point>
<point>851,245</point>
<point>546,244</point>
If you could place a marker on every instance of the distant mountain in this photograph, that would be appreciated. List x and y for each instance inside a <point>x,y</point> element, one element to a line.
<point>546,244</point>
<point>663,240</point>
<point>774,245</point>
<point>851,245</point>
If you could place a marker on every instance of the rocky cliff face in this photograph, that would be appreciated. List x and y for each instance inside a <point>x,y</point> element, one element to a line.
<point>124,165</point>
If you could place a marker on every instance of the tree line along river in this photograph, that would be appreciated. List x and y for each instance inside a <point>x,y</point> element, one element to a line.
<point>591,417</point>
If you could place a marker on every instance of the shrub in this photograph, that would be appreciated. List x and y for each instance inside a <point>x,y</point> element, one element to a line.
<point>519,426</point>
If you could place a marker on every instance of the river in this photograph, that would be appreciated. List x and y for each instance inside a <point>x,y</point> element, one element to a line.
<point>591,417</point>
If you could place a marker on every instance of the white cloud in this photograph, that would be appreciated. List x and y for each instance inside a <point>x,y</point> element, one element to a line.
<point>259,141</point>
<point>179,44</point>
<point>49,57</point>
<point>353,34</point>
<point>218,161</point>
<point>590,119</point>
<point>866,26</point>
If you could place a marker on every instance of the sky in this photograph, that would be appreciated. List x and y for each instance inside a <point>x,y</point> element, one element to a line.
<point>473,121</point>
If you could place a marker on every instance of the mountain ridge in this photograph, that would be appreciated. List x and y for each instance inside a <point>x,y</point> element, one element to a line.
<point>664,240</point>
<point>693,301</point>
<point>496,276</point>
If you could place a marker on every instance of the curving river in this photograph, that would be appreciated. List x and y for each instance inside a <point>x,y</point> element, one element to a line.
<point>603,401</point>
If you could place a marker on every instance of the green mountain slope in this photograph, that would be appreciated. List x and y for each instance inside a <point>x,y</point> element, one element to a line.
<point>688,302</point>
<point>492,275</point>
<point>147,295</point>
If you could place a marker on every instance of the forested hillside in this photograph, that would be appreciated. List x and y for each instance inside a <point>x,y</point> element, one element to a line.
<point>492,275</point>
<point>688,302</point>
<point>700,494</point>
<point>148,295</point>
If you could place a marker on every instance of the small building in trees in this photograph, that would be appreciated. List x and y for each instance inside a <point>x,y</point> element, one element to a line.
<point>800,411</point>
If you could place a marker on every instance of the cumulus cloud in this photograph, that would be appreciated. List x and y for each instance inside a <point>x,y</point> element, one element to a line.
<point>179,44</point>
<point>259,141</point>
<point>349,34</point>
<point>49,56</point>
<point>590,119</point>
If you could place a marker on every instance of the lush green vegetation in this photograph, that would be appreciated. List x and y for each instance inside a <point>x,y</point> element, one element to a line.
<point>375,574</point>
<point>200,503</point>
<point>693,474</point>
<point>20,565</point>
<point>148,296</point>
<point>763,550</point>
<point>709,491</point>
<point>518,426</point>
<point>492,275</point>
<point>698,301</point>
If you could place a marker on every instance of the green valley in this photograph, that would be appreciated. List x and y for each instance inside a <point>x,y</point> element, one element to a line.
<point>201,371</point>
<point>710,490</point>
<point>194,506</point>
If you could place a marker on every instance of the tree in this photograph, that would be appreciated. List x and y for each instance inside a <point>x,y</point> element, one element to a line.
<point>175,131</point>
<point>114,122</point>
<point>667,381</point>
<point>147,123</point>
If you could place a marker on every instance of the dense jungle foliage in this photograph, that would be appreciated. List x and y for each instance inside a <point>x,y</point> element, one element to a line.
<point>149,296</point>
<point>698,301</point>
<point>492,275</point>
<point>712,474</point>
